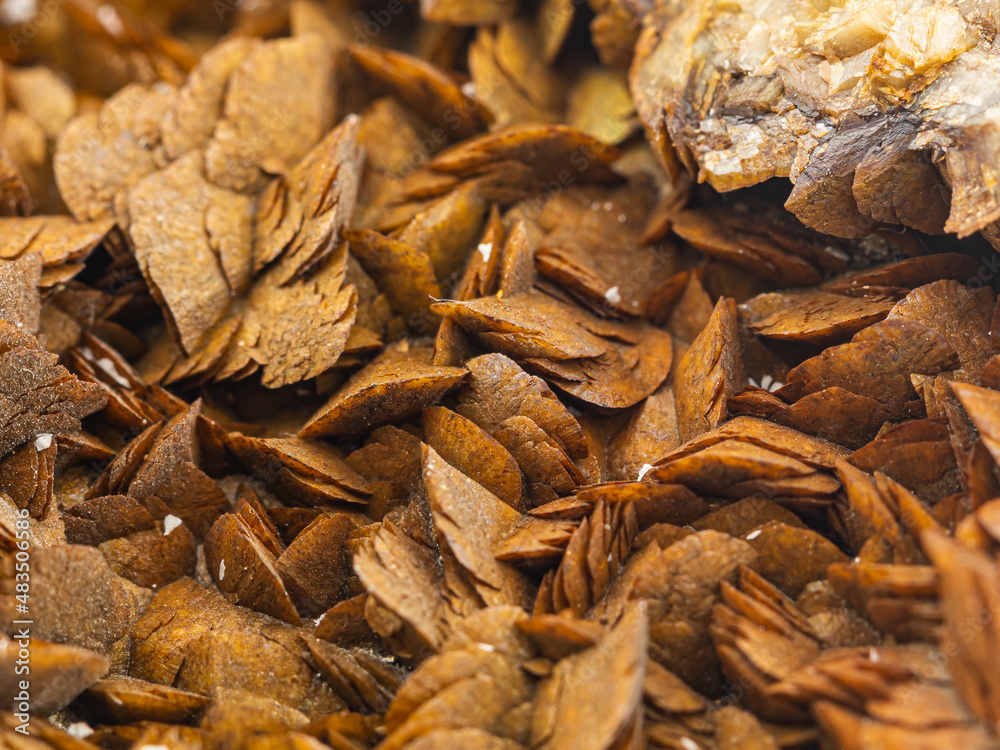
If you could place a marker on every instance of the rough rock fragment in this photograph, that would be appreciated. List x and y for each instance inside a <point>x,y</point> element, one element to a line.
<point>401,575</point>
<point>58,239</point>
<point>315,567</point>
<point>268,126</point>
<point>877,709</point>
<point>791,557</point>
<point>772,248</point>
<point>323,185</point>
<point>594,557</point>
<point>565,705</point>
<point>761,638</point>
<point>125,700</point>
<point>189,123</point>
<point>937,306</point>
<point>649,434</point>
<point>75,596</point>
<point>100,155</point>
<point>447,229</point>
<point>20,302</point>
<point>681,583</point>
<point>184,226</point>
<point>810,450</point>
<point>38,395</point>
<point>708,374</point>
<point>252,579</point>
<point>896,280</point>
<point>422,87</point>
<point>709,83</point>
<point>535,542</point>
<point>60,672</point>
<point>508,71</point>
<point>191,638</point>
<point>399,384</point>
<point>476,684</point>
<point>292,465</point>
<point>498,390</point>
<point>404,272</point>
<point>470,521</point>
<point>902,600</point>
<point>163,462</point>
<point>468,448</point>
<point>463,12</point>
<point>575,351</point>
<point>877,363</point>
<point>151,558</point>
<point>737,469</point>
<point>968,580</point>
<point>579,225</point>
<point>819,318</point>
<point>547,150</point>
<point>918,454</point>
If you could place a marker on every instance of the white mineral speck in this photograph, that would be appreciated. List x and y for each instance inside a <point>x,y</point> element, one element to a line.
<point>17,11</point>
<point>222,569</point>
<point>109,367</point>
<point>43,441</point>
<point>613,295</point>
<point>486,249</point>
<point>79,729</point>
<point>170,522</point>
<point>109,19</point>
<point>643,470</point>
